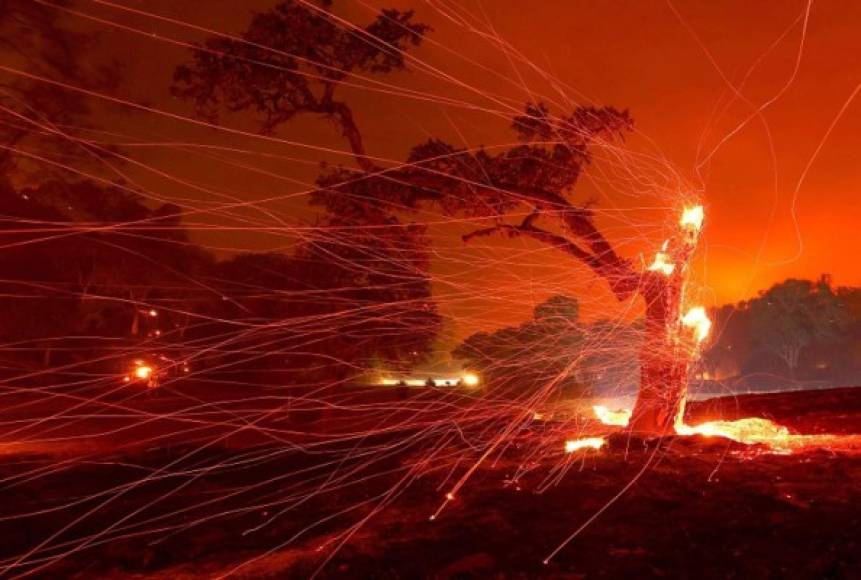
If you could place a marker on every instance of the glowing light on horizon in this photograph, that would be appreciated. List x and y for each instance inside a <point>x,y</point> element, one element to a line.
<point>466,380</point>
<point>470,380</point>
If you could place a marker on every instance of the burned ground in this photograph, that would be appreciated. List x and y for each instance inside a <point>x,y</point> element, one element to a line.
<point>698,508</point>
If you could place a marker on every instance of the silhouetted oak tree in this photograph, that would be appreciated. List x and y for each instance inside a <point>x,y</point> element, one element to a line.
<point>83,259</point>
<point>35,115</point>
<point>292,59</point>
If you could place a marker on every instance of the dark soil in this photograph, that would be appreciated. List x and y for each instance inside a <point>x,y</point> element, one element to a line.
<point>695,508</point>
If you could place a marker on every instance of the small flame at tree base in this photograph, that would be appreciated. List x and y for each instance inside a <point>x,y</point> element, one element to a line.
<point>748,431</point>
<point>607,416</point>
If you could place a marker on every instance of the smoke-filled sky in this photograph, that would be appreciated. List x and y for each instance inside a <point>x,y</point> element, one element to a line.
<point>741,100</point>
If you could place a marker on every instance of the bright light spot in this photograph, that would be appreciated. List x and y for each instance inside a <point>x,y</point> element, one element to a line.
<point>662,264</point>
<point>143,372</point>
<point>698,320</point>
<point>470,380</point>
<point>153,313</point>
<point>403,382</point>
<point>619,417</point>
<point>662,261</point>
<point>692,218</point>
<point>449,496</point>
<point>573,445</point>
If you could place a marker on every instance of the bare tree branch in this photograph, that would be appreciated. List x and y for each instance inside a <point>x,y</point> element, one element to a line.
<point>350,131</point>
<point>618,274</point>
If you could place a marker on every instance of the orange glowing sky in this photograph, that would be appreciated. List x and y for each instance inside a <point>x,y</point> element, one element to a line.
<point>674,66</point>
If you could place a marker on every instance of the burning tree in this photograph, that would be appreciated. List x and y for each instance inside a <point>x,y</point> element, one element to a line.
<point>292,60</point>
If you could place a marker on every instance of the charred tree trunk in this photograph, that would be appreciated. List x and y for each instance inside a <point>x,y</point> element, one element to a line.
<point>663,361</point>
<point>665,354</point>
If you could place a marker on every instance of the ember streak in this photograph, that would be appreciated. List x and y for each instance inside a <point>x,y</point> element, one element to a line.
<point>317,288</point>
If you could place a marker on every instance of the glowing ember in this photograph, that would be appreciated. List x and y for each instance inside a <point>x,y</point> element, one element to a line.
<point>692,218</point>
<point>749,431</point>
<point>573,445</point>
<point>619,417</point>
<point>698,320</point>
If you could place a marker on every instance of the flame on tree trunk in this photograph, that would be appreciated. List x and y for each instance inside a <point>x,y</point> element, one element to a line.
<point>666,350</point>
<point>663,360</point>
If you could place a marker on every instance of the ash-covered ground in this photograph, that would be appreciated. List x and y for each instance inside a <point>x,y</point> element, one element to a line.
<point>695,508</point>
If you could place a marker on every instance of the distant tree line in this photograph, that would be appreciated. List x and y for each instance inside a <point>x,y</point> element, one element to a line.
<point>93,273</point>
<point>801,329</point>
<point>798,329</point>
<point>556,349</point>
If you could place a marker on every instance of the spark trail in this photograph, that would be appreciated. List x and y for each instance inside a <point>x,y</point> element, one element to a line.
<point>215,315</point>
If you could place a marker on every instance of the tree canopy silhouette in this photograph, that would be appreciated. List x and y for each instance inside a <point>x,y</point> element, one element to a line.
<point>36,116</point>
<point>293,58</point>
<point>793,315</point>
